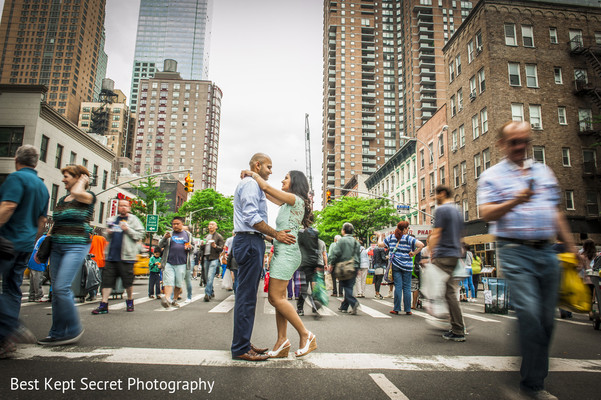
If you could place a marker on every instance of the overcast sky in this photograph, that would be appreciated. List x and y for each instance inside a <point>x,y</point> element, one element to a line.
<point>266,56</point>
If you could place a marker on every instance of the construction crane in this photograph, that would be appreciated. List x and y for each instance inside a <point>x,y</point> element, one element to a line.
<point>308,156</point>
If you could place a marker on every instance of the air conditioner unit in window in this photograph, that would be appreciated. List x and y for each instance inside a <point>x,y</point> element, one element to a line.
<point>478,49</point>
<point>536,125</point>
<point>472,96</point>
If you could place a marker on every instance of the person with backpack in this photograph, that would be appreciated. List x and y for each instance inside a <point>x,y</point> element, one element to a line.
<point>401,249</point>
<point>308,241</point>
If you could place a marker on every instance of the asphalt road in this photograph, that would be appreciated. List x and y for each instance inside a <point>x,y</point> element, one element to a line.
<point>152,353</point>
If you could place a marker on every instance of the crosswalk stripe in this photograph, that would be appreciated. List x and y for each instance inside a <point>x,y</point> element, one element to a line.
<point>479,318</point>
<point>181,304</point>
<point>316,360</point>
<point>369,311</point>
<point>225,306</point>
<point>388,387</point>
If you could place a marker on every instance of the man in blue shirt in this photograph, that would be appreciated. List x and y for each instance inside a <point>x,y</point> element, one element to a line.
<point>23,209</point>
<point>250,225</point>
<point>177,258</point>
<point>521,199</point>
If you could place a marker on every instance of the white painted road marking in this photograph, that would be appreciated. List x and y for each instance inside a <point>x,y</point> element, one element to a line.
<point>316,360</point>
<point>368,310</point>
<point>225,306</point>
<point>323,311</point>
<point>181,303</point>
<point>388,387</point>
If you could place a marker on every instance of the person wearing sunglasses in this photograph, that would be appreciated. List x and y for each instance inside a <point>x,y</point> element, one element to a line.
<point>520,198</point>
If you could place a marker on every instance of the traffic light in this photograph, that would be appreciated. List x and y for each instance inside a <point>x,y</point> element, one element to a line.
<point>189,186</point>
<point>328,196</point>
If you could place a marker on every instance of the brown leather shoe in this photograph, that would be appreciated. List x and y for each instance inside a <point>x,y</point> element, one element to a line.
<point>251,356</point>
<point>258,350</point>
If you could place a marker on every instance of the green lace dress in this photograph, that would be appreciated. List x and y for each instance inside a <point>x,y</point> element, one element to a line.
<point>287,257</point>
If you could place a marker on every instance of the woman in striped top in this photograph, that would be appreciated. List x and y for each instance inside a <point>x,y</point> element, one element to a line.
<point>71,238</point>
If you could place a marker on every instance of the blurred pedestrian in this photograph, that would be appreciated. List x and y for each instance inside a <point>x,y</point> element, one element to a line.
<point>379,265</point>
<point>213,246</point>
<point>293,214</point>
<point>347,249</point>
<point>23,208</point>
<point>308,241</point>
<point>124,232</point>
<point>71,238</point>
<point>250,224</point>
<point>36,271</point>
<point>401,248</point>
<point>98,250</point>
<point>445,247</point>
<point>154,270</point>
<point>362,272</point>
<point>177,258</point>
<point>468,282</point>
<point>521,199</point>
<point>336,287</point>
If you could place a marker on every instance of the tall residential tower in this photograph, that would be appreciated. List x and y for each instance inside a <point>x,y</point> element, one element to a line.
<point>59,44</point>
<point>172,29</point>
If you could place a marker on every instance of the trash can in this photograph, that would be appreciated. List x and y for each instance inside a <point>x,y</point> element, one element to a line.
<point>495,296</point>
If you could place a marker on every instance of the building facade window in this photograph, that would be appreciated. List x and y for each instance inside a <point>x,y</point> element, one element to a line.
<point>558,76</point>
<point>585,119</point>
<point>59,156</point>
<point>11,138</point>
<point>514,74</point>
<point>528,35</point>
<point>531,76</point>
<point>461,136</point>
<point>53,197</point>
<point>477,166</point>
<point>536,120</point>
<point>484,120</point>
<point>485,159</point>
<point>553,35</point>
<point>538,154</point>
<point>475,127</point>
<point>570,200</point>
<point>565,157</point>
<point>44,148</point>
<point>482,80</point>
<point>517,112</point>
<point>463,167</point>
<point>470,51</point>
<point>592,203</point>
<point>510,36</point>
<point>456,176</point>
<point>464,205</point>
<point>561,116</point>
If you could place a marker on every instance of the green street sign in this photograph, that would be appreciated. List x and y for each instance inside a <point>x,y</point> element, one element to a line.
<point>152,223</point>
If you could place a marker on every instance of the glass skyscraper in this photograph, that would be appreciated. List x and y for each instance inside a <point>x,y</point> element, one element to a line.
<point>172,29</point>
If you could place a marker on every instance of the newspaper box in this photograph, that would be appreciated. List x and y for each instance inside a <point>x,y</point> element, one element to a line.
<point>495,296</point>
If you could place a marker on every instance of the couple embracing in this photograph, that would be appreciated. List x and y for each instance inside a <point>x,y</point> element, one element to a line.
<point>250,225</point>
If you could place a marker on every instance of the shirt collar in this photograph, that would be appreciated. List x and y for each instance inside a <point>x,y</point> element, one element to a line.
<point>514,167</point>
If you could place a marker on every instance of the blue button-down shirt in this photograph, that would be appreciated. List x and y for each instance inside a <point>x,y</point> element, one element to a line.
<point>250,205</point>
<point>534,220</point>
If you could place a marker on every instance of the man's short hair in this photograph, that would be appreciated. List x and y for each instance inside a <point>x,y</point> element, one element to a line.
<point>27,155</point>
<point>180,219</point>
<point>442,188</point>
<point>258,158</point>
<point>348,228</point>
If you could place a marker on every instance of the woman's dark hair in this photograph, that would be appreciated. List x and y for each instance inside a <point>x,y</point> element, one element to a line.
<point>589,249</point>
<point>400,227</point>
<point>299,185</point>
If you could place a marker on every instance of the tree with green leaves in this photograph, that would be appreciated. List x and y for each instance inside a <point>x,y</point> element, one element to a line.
<point>366,215</point>
<point>199,207</point>
<point>142,205</point>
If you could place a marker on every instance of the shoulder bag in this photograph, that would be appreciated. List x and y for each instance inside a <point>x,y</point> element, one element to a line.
<point>345,269</point>
<point>388,276</point>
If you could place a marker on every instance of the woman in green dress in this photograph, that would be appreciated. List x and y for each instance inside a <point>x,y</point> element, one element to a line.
<point>293,215</point>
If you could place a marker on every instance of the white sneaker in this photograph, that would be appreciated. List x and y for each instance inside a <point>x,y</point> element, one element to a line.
<point>187,301</point>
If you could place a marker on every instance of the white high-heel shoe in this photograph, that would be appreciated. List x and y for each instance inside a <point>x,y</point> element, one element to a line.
<point>309,346</point>
<point>281,352</point>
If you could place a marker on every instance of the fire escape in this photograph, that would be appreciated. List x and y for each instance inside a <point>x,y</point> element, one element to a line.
<point>100,115</point>
<point>587,125</point>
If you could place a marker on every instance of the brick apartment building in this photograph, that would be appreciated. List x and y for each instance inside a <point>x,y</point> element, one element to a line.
<point>532,61</point>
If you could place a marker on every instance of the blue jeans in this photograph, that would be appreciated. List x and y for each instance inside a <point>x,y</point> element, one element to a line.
<point>349,300</point>
<point>533,277</point>
<point>468,284</point>
<point>211,267</point>
<point>12,270</point>
<point>402,286</point>
<point>235,285</point>
<point>65,261</point>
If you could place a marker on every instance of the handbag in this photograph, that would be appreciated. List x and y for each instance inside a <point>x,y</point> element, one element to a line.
<point>379,271</point>
<point>388,276</point>
<point>266,284</point>
<point>460,271</point>
<point>573,293</point>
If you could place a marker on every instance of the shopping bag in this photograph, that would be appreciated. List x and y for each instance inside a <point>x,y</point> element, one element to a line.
<point>433,286</point>
<point>328,280</point>
<point>266,284</point>
<point>319,291</point>
<point>369,279</point>
<point>227,283</point>
<point>460,271</point>
<point>573,294</point>
<point>388,277</point>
